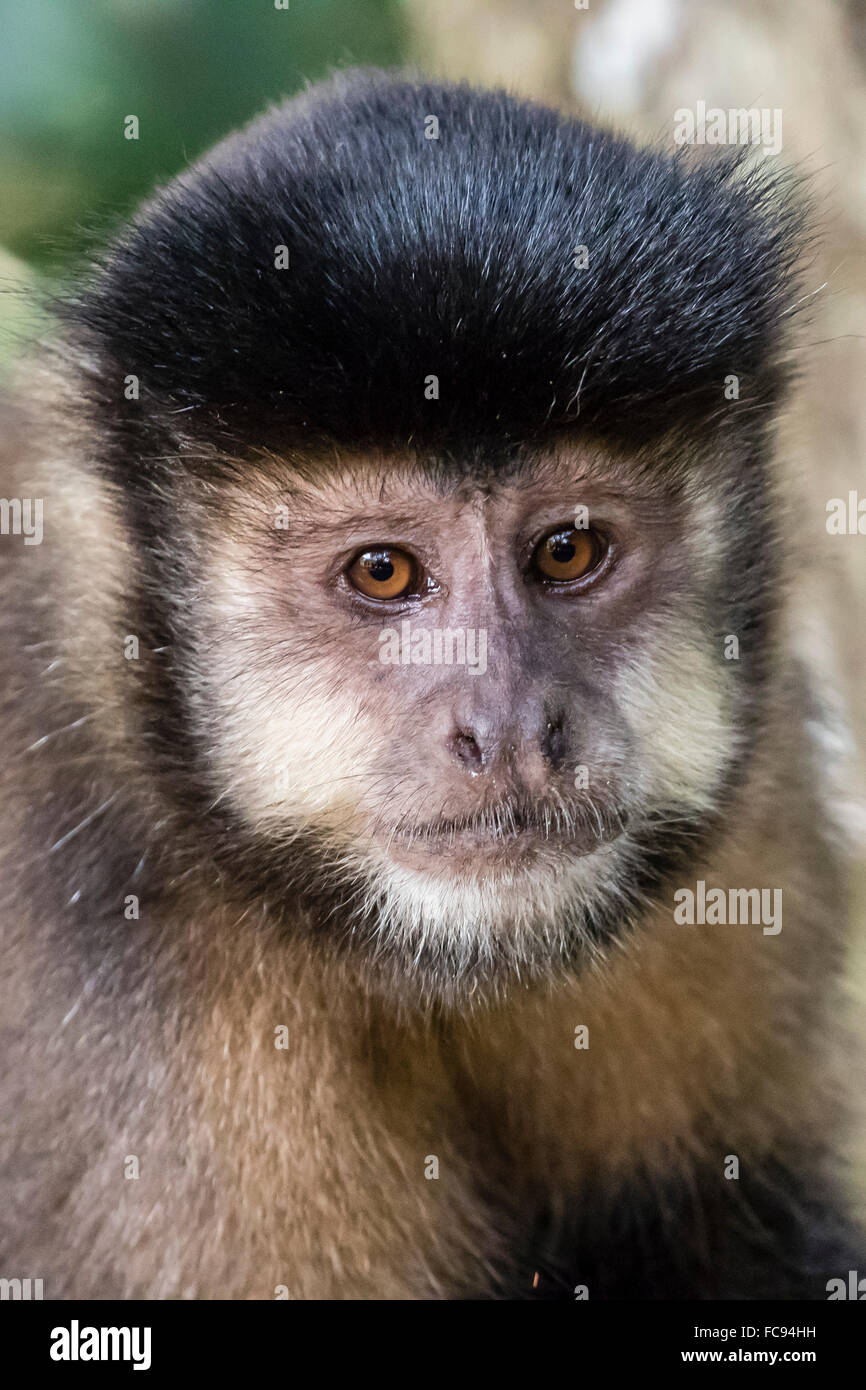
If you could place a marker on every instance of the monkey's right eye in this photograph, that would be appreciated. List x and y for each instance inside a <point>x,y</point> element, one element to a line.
<point>382,574</point>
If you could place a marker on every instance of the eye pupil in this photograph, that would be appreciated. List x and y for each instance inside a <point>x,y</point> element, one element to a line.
<point>383,574</point>
<point>380,569</point>
<point>568,555</point>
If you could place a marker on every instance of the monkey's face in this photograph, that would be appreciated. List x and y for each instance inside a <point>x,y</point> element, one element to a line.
<point>479,718</point>
<point>474,704</point>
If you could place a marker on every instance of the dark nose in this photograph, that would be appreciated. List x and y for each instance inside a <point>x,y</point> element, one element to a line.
<point>467,750</point>
<point>528,748</point>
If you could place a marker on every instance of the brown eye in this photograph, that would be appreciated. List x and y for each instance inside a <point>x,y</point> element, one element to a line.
<point>382,573</point>
<point>567,555</point>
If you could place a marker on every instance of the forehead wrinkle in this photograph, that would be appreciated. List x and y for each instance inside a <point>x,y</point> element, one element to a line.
<point>375,473</point>
<point>482,507</point>
<point>361,493</point>
<point>371,491</point>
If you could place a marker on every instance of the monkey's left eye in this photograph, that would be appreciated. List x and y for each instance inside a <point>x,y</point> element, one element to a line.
<point>383,573</point>
<point>566,555</point>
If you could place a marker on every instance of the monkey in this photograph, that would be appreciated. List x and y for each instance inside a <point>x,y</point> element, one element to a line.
<point>420,871</point>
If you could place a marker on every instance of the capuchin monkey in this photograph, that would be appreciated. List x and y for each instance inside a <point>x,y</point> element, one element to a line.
<point>419,877</point>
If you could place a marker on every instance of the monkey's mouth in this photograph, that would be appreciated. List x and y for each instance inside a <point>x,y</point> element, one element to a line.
<point>511,833</point>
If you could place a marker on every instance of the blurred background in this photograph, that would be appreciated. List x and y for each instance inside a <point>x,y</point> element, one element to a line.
<point>71,71</point>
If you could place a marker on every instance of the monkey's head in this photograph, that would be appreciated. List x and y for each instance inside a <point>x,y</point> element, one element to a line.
<point>440,428</point>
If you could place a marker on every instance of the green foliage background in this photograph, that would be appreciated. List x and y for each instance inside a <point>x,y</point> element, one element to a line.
<point>191,70</point>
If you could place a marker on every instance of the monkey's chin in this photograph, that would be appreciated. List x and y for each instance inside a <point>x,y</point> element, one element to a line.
<point>456,920</point>
<point>469,920</point>
<point>475,854</point>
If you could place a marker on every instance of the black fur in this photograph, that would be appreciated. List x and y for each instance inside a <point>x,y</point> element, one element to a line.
<point>451,257</point>
<point>774,1232</point>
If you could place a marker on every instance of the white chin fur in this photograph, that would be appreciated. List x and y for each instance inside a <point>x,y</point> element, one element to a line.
<point>523,916</point>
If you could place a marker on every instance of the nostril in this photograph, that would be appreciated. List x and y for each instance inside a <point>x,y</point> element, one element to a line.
<point>554,743</point>
<point>467,751</point>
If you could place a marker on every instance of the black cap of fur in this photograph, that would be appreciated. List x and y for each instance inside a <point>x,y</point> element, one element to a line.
<point>412,257</point>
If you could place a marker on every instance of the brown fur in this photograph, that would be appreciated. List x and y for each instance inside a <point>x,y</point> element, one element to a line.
<point>305,1167</point>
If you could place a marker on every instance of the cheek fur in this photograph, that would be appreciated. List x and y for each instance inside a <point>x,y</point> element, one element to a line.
<point>670,696</point>
<point>294,749</point>
<point>288,743</point>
